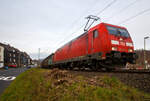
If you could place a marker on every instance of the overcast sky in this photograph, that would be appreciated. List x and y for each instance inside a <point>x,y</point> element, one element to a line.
<point>48,24</point>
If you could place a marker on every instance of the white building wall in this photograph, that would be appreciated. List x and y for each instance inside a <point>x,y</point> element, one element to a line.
<point>1,56</point>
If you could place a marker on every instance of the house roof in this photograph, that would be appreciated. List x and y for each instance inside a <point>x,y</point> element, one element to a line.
<point>11,48</point>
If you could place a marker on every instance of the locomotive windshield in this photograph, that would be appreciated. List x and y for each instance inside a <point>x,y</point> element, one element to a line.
<point>118,31</point>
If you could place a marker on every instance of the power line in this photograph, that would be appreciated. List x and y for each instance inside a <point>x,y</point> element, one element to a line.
<point>95,2</point>
<point>39,57</point>
<point>132,17</point>
<point>123,9</point>
<point>111,3</point>
<point>83,24</point>
<point>106,7</point>
<point>103,9</point>
<point>77,21</point>
<point>71,34</point>
<point>96,14</point>
<point>66,38</point>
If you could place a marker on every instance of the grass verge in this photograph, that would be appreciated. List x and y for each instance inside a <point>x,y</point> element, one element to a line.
<point>56,85</point>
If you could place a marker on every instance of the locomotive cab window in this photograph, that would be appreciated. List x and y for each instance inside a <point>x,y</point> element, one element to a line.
<point>95,33</point>
<point>117,31</point>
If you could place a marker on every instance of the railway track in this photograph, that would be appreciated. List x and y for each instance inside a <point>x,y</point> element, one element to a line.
<point>132,71</point>
<point>147,71</point>
<point>139,79</point>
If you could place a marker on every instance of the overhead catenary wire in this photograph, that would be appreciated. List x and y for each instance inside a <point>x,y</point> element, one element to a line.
<point>94,3</point>
<point>123,9</point>
<point>45,51</point>
<point>72,34</point>
<point>81,16</point>
<point>79,28</point>
<point>107,6</point>
<point>78,19</point>
<point>132,17</point>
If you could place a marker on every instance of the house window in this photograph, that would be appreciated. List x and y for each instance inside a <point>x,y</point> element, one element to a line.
<point>14,55</point>
<point>10,59</point>
<point>95,33</point>
<point>14,60</point>
<point>10,54</point>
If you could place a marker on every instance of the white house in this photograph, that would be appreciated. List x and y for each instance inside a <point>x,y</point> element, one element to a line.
<point>1,56</point>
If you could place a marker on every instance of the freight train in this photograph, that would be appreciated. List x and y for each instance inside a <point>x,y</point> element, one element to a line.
<point>104,45</point>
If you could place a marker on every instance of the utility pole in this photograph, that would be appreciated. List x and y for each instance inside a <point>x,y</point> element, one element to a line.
<point>19,59</point>
<point>39,57</point>
<point>145,61</point>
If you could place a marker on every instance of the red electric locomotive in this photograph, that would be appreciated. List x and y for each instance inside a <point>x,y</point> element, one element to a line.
<point>103,44</point>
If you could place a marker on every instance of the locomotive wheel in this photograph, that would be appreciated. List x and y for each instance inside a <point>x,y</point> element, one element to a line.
<point>95,67</point>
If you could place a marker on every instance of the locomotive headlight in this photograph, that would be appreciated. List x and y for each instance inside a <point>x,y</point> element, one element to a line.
<point>114,42</point>
<point>130,50</point>
<point>129,44</point>
<point>114,48</point>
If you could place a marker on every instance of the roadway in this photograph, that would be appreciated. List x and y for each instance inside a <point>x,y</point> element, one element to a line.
<point>7,76</point>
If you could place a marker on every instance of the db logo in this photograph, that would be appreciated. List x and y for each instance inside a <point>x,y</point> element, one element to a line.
<point>9,78</point>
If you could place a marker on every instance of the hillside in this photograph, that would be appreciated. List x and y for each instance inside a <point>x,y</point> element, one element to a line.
<point>57,85</point>
<point>140,53</point>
